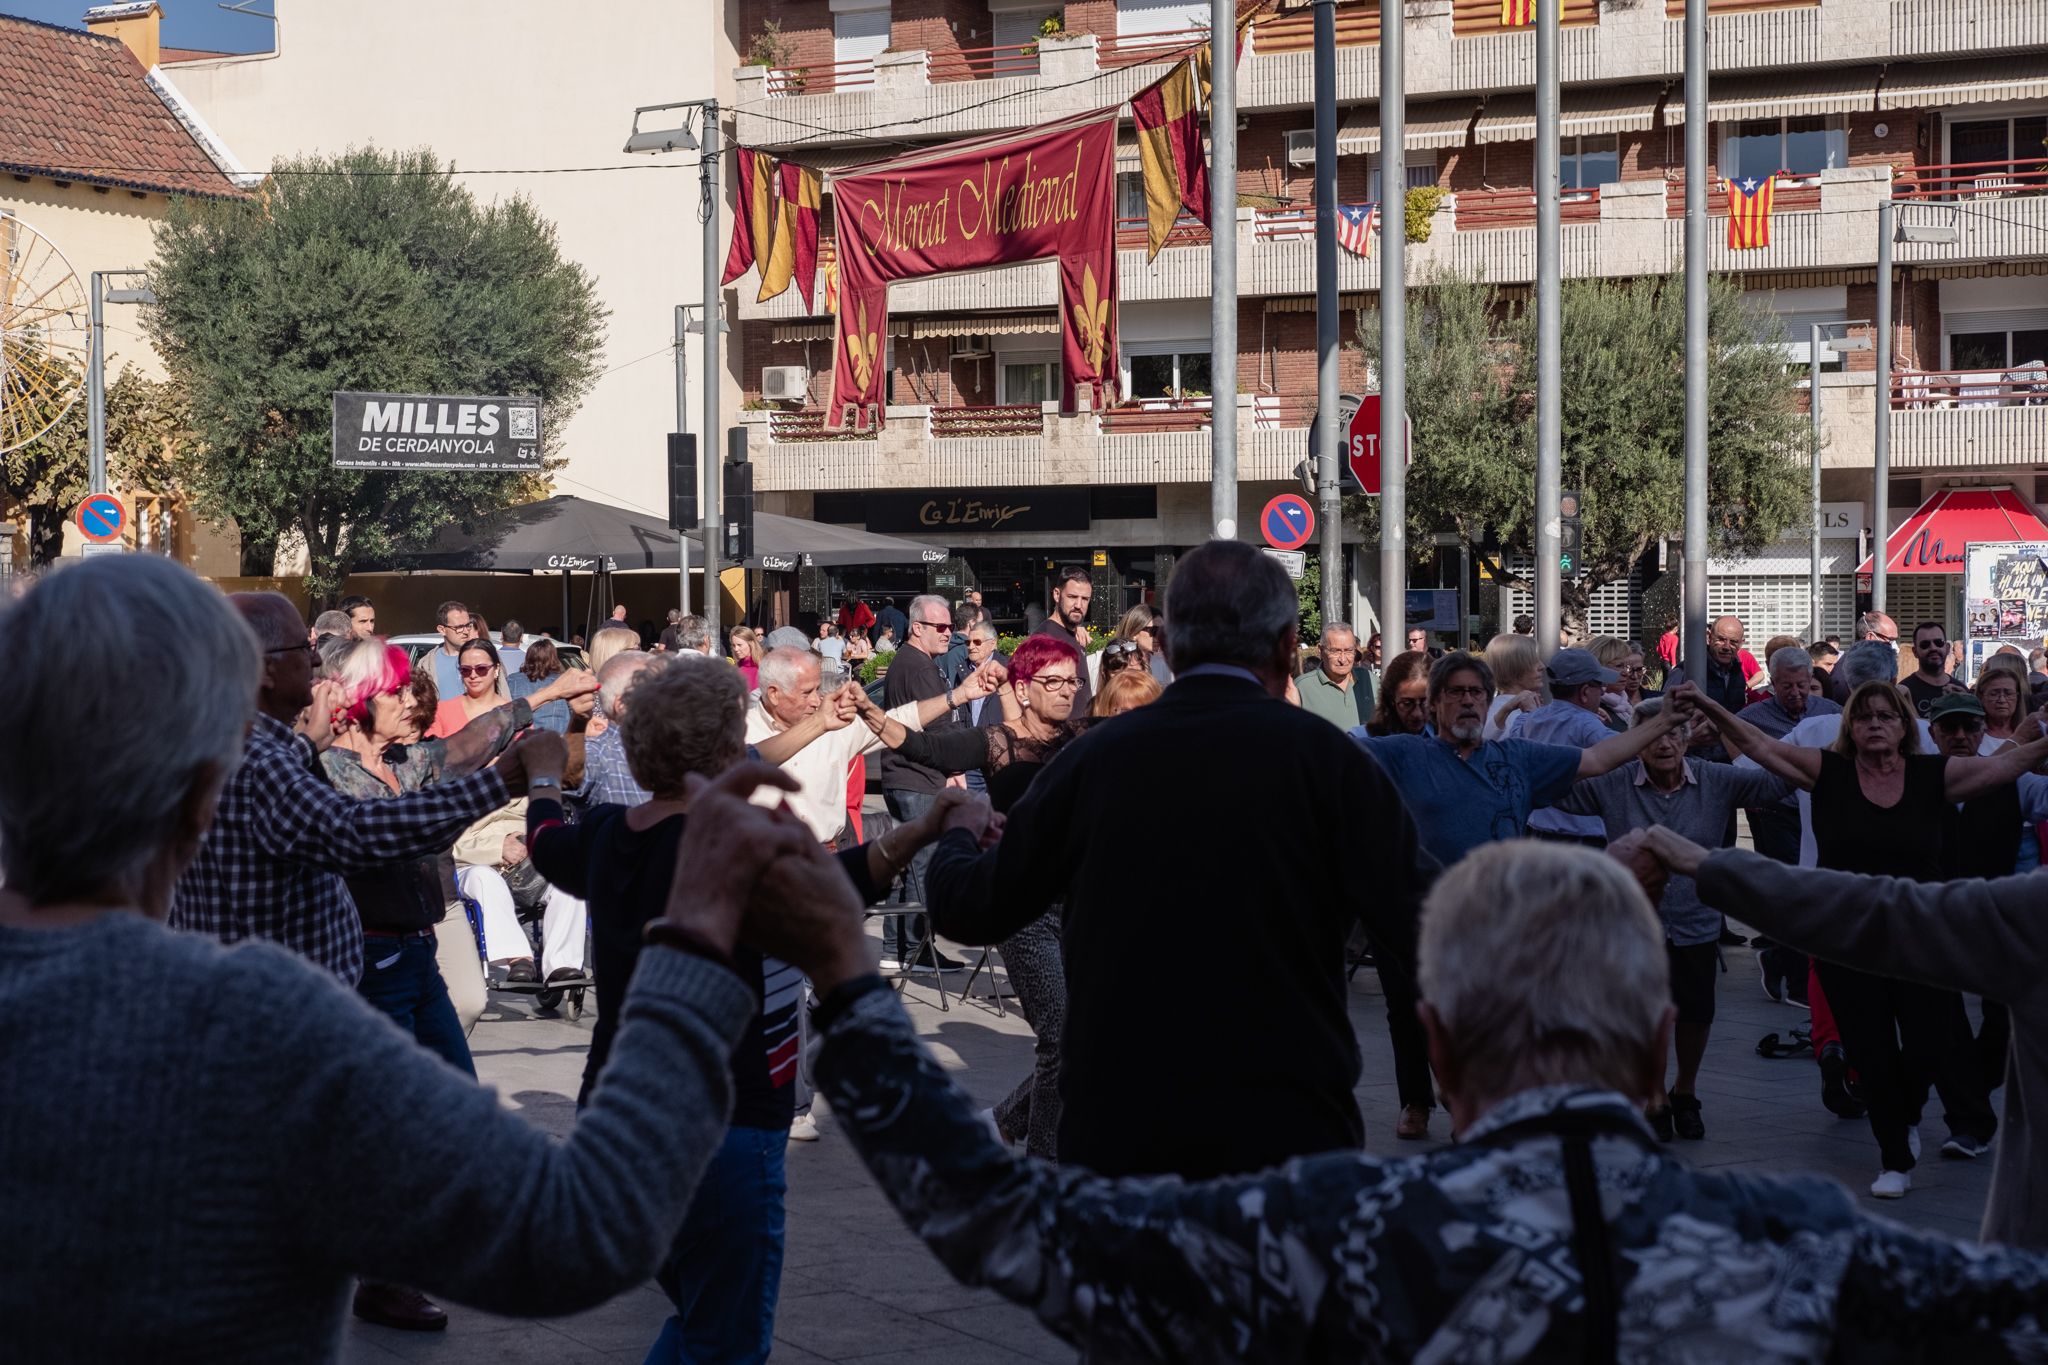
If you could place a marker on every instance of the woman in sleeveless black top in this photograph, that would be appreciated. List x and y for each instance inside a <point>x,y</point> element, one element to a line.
<point>1880,806</point>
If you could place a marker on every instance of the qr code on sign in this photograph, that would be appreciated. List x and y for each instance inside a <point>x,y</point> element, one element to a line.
<point>525,424</point>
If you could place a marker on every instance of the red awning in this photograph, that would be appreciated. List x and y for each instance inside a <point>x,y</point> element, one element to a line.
<point>1932,540</point>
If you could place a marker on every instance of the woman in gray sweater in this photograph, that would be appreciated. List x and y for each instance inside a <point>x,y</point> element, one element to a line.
<point>204,1143</point>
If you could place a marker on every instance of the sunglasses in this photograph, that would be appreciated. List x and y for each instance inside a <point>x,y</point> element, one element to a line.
<point>476,670</point>
<point>1120,647</point>
<point>942,627</point>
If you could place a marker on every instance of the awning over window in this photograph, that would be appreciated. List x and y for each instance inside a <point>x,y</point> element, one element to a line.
<point>1586,113</point>
<point>1307,303</point>
<point>1985,80</point>
<point>822,331</point>
<point>1002,325</point>
<point>1795,93</point>
<point>1435,123</point>
<point>1933,539</point>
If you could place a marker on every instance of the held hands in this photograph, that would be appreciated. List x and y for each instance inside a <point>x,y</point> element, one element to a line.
<point>982,682</point>
<point>841,709</point>
<point>1672,851</point>
<point>729,844</point>
<point>1632,853</point>
<point>513,851</point>
<point>317,722</point>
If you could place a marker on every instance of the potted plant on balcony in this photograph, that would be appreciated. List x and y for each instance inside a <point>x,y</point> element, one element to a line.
<point>773,49</point>
<point>1422,203</point>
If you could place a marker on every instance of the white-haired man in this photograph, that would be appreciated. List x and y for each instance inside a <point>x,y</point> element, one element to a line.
<point>1555,1229</point>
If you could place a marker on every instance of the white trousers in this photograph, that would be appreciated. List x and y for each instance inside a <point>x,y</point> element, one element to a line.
<point>562,923</point>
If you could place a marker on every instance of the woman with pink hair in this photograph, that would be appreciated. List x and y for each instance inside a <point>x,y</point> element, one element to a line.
<point>1038,720</point>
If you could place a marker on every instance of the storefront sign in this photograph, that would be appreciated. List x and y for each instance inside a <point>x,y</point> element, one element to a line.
<point>978,512</point>
<point>1049,192</point>
<point>435,431</point>
<point>2005,599</point>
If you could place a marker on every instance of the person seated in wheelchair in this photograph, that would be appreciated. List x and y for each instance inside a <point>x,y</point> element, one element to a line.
<point>493,869</point>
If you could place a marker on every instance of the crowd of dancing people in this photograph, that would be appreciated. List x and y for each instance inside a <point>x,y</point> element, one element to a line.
<point>247,928</point>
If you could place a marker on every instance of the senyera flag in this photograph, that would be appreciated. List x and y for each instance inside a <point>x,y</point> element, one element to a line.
<point>1517,13</point>
<point>1170,151</point>
<point>1749,212</point>
<point>1047,192</point>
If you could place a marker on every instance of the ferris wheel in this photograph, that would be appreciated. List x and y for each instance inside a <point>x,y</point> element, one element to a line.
<point>45,334</point>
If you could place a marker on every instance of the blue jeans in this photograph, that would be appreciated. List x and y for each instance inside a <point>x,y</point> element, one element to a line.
<point>401,978</point>
<point>901,934</point>
<point>724,1270</point>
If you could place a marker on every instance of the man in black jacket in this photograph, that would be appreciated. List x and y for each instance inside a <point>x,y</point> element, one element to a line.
<point>909,788</point>
<point>1250,928</point>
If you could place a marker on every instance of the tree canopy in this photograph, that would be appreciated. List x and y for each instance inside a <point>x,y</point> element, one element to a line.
<point>370,270</point>
<point>1471,398</point>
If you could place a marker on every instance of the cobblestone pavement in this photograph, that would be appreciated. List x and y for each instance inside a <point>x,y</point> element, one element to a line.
<point>858,1288</point>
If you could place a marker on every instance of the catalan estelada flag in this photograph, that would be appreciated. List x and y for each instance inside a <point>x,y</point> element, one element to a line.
<point>1170,151</point>
<point>753,221</point>
<point>1749,212</point>
<point>1517,13</point>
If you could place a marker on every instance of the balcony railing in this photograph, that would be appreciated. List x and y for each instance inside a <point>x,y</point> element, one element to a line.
<point>1187,230</point>
<point>1973,180</point>
<point>1281,224</point>
<point>809,425</point>
<point>983,63</point>
<point>823,79</point>
<point>1153,415</point>
<point>2024,386</point>
<point>1794,194</point>
<point>1139,48</point>
<point>1478,210</point>
<point>1009,419</point>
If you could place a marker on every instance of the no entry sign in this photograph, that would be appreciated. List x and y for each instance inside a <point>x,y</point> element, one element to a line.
<point>100,518</point>
<point>1288,522</point>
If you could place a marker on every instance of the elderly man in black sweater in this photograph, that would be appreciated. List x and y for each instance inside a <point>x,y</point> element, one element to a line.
<point>1248,928</point>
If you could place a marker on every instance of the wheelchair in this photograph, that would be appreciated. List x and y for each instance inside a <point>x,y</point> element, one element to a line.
<point>529,906</point>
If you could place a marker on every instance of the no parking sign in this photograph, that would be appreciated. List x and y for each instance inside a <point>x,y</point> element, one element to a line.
<point>100,518</point>
<point>1288,522</point>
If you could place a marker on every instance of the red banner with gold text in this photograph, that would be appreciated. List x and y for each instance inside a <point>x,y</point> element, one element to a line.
<point>1048,192</point>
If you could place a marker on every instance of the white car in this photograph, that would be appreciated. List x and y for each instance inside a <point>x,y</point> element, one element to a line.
<point>416,646</point>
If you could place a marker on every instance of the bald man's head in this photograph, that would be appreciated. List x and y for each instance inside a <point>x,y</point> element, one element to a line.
<point>288,658</point>
<point>1725,639</point>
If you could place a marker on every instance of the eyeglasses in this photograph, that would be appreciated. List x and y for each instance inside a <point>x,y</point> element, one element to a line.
<point>1056,684</point>
<point>459,626</point>
<point>1633,670</point>
<point>1465,693</point>
<point>1735,643</point>
<point>310,650</point>
<point>476,670</point>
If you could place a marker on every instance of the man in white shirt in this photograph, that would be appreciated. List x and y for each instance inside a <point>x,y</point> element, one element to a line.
<point>789,695</point>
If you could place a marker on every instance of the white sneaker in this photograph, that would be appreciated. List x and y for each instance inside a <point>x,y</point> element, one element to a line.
<point>803,1128</point>
<point>1913,1141</point>
<point>1891,1184</point>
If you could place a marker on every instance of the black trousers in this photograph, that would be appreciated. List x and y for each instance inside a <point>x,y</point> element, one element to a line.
<point>1404,1028</point>
<point>1902,1038</point>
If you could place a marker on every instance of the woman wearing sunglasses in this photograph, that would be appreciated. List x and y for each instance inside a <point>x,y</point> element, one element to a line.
<point>484,690</point>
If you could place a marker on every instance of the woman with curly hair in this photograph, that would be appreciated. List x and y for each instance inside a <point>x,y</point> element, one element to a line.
<point>1403,705</point>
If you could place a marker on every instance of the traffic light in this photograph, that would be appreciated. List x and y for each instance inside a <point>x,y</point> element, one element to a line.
<point>682,482</point>
<point>1571,535</point>
<point>739,499</point>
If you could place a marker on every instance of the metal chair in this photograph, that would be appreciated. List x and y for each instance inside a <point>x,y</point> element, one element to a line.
<point>995,988</point>
<point>927,951</point>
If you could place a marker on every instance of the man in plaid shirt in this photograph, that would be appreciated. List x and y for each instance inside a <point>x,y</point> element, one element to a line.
<point>283,839</point>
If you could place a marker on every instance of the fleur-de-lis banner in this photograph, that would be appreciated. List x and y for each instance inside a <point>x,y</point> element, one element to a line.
<point>1047,192</point>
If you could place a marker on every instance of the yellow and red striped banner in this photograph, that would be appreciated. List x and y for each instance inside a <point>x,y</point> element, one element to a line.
<point>1517,13</point>
<point>1749,212</point>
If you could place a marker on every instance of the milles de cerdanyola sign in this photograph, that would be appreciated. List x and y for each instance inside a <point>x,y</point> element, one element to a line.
<point>436,431</point>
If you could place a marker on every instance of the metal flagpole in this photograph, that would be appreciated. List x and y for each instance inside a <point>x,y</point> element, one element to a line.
<point>96,395</point>
<point>1549,338</point>
<point>712,467</point>
<point>1693,642</point>
<point>1329,439</point>
<point>1813,502</point>
<point>1223,269</point>
<point>1881,470</point>
<point>1393,335</point>
<point>682,428</point>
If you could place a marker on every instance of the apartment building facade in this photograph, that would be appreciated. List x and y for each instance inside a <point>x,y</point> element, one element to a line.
<point>1941,105</point>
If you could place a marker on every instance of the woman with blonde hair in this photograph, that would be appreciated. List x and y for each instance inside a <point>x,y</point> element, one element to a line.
<point>1625,657</point>
<point>746,655</point>
<point>1518,679</point>
<point>1125,689</point>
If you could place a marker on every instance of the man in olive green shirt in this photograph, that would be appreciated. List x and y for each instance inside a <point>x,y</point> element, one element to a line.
<point>1339,693</point>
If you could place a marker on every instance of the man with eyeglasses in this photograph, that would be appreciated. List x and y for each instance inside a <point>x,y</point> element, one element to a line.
<point>1725,678</point>
<point>910,789</point>
<point>1931,681</point>
<point>452,619</point>
<point>1336,690</point>
<point>1875,625</point>
<point>282,839</point>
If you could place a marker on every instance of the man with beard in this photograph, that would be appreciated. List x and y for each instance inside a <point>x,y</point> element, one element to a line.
<point>1465,791</point>
<point>1070,609</point>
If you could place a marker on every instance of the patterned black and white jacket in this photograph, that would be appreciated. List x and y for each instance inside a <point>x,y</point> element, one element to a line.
<point>1467,1253</point>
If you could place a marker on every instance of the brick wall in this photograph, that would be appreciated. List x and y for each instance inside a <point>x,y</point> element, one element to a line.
<point>1277,351</point>
<point>939,26</point>
<point>1091,16</point>
<point>806,27</point>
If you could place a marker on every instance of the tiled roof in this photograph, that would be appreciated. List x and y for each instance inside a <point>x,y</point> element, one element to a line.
<point>78,107</point>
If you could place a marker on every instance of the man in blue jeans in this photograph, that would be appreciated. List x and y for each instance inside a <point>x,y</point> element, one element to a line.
<point>910,788</point>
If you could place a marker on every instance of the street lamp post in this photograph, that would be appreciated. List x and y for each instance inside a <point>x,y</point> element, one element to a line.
<point>680,138</point>
<point>96,379</point>
<point>1814,348</point>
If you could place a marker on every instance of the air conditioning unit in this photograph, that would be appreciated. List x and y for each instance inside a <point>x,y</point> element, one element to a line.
<point>1301,147</point>
<point>786,382</point>
<point>975,347</point>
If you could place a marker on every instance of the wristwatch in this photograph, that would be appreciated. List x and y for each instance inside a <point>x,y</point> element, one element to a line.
<point>540,784</point>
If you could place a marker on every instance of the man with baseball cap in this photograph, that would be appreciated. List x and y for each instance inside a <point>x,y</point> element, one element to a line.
<point>1571,717</point>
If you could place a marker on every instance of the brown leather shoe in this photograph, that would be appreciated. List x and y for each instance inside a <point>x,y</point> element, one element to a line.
<point>393,1305</point>
<point>1414,1124</point>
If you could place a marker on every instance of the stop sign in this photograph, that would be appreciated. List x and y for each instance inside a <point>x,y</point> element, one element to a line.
<point>1362,444</point>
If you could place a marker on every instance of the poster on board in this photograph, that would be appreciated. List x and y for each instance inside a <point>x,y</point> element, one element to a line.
<point>2005,599</point>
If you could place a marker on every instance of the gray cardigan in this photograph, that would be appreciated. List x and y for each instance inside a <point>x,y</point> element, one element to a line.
<point>1988,937</point>
<point>204,1144</point>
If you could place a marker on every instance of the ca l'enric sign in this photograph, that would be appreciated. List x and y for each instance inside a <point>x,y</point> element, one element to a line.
<point>436,431</point>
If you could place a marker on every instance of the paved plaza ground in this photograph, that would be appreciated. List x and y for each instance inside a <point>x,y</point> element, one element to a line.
<point>858,1287</point>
